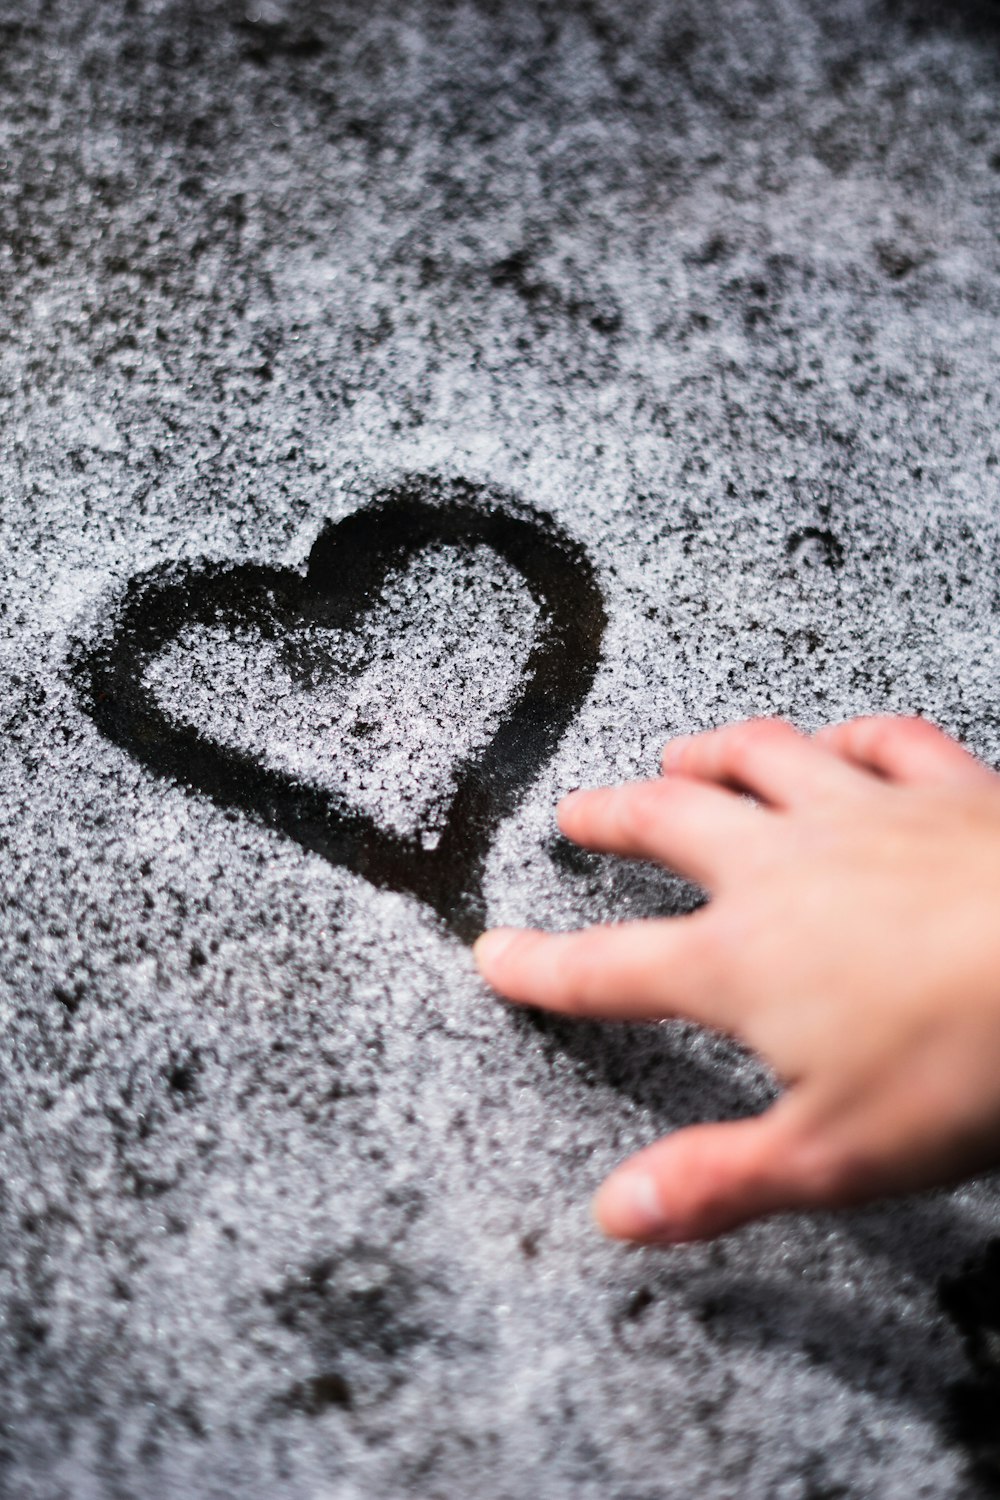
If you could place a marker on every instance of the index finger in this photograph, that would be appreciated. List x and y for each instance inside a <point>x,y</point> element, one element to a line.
<point>627,971</point>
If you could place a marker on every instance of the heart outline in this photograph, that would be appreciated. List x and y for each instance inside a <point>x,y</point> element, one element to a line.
<point>398,522</point>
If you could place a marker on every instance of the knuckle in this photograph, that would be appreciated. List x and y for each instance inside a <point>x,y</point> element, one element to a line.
<point>722,1200</point>
<point>717,941</point>
<point>744,741</point>
<point>815,1169</point>
<point>741,751</point>
<point>573,978</point>
<point>888,731</point>
<point>629,817</point>
<point>637,810</point>
<point>876,739</point>
<point>658,801</point>
<point>914,724</point>
<point>885,733</point>
<point>708,1194</point>
<point>833,1174</point>
<point>823,1177</point>
<point>765,730</point>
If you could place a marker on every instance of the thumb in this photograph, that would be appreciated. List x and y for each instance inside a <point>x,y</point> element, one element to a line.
<point>707,1179</point>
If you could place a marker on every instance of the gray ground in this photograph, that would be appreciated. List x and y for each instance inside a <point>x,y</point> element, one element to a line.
<point>290,1207</point>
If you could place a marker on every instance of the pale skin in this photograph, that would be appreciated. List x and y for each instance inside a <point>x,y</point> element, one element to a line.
<point>852,939</point>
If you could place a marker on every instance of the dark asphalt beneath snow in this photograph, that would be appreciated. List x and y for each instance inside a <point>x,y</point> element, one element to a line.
<point>704,297</point>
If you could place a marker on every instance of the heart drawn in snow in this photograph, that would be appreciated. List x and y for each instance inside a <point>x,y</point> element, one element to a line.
<point>348,567</point>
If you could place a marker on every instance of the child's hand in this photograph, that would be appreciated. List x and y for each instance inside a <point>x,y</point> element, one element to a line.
<point>852,939</point>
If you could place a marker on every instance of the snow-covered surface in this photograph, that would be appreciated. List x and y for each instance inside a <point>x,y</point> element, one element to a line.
<point>373,724</point>
<point>291,1207</point>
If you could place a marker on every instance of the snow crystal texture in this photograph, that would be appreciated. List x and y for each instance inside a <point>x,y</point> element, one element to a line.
<point>291,1207</point>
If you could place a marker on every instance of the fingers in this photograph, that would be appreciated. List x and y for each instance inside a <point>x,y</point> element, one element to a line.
<point>628,971</point>
<point>770,759</point>
<point>766,757</point>
<point>697,830</point>
<point>905,750</point>
<point>707,1179</point>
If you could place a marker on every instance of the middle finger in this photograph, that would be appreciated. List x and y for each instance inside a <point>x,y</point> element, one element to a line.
<point>702,832</point>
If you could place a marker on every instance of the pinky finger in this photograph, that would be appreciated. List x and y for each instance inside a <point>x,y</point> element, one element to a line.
<point>906,750</point>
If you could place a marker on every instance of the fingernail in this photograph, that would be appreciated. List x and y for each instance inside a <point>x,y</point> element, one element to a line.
<point>490,948</point>
<point>628,1206</point>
